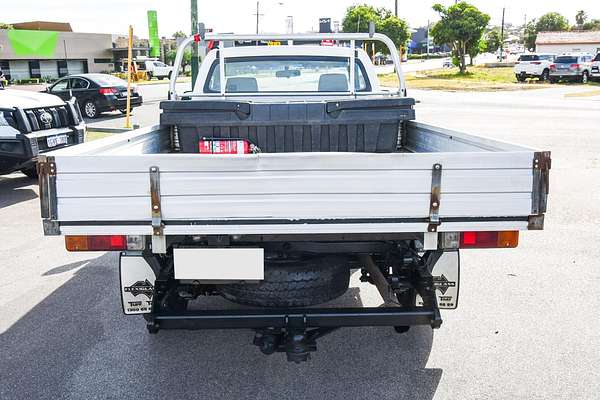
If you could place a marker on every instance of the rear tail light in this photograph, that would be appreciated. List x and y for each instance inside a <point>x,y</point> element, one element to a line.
<point>104,243</point>
<point>575,66</point>
<point>536,62</point>
<point>517,62</point>
<point>108,91</point>
<point>489,239</point>
<point>225,146</point>
<point>552,66</point>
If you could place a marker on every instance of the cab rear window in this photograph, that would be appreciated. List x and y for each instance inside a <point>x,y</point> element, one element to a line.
<point>528,57</point>
<point>283,74</point>
<point>565,60</point>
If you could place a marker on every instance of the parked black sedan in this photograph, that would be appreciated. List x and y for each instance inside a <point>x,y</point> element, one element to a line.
<point>96,93</point>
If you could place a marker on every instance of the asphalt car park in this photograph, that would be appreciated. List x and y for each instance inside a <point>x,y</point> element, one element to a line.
<point>525,328</point>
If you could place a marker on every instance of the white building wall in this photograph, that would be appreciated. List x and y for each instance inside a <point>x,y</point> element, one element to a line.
<point>591,48</point>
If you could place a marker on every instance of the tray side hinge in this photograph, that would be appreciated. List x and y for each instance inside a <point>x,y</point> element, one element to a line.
<point>541,182</point>
<point>156,210</point>
<point>434,202</point>
<point>46,168</point>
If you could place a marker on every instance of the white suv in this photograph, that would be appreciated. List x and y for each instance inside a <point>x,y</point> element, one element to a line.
<point>595,70</point>
<point>534,65</point>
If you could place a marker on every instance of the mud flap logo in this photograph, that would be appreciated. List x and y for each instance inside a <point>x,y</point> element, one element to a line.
<point>140,287</point>
<point>442,283</point>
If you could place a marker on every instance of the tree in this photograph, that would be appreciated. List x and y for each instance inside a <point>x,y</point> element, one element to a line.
<point>530,35</point>
<point>5,26</point>
<point>551,22</point>
<point>476,49</point>
<point>580,18</point>
<point>593,25</point>
<point>187,57</point>
<point>179,34</point>
<point>461,26</point>
<point>492,41</point>
<point>358,17</point>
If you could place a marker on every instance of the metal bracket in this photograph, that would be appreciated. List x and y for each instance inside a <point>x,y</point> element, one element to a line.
<point>434,202</point>
<point>541,181</point>
<point>46,168</point>
<point>157,224</point>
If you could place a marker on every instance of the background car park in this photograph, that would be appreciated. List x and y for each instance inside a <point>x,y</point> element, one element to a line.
<point>96,93</point>
<point>533,66</point>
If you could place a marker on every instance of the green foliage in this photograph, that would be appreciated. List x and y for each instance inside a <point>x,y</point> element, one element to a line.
<point>187,57</point>
<point>492,41</point>
<point>461,26</point>
<point>5,26</point>
<point>179,34</point>
<point>552,21</point>
<point>593,25</point>
<point>530,35</point>
<point>357,19</point>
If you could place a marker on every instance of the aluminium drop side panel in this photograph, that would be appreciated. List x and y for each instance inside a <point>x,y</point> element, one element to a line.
<point>294,192</point>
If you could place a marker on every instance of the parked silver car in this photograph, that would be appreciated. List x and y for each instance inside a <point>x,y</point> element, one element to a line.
<point>574,67</point>
<point>595,72</point>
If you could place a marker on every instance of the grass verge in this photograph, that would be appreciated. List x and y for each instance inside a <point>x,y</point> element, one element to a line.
<point>94,135</point>
<point>476,79</point>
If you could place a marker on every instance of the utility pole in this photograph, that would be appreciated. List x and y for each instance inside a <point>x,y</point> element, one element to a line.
<point>428,39</point>
<point>194,15</point>
<point>502,36</point>
<point>396,8</point>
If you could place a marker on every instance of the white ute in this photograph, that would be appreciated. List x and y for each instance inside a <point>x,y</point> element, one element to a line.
<point>285,169</point>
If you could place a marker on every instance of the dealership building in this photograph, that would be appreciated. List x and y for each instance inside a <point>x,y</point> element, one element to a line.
<point>52,50</point>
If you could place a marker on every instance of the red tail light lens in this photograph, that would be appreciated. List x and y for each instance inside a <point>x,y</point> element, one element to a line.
<point>553,66</point>
<point>481,240</point>
<point>575,66</point>
<point>108,91</point>
<point>536,62</point>
<point>96,243</point>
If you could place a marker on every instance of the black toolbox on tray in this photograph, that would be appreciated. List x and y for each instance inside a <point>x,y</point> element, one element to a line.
<point>360,125</point>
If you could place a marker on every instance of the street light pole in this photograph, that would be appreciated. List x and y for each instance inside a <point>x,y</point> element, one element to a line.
<point>396,8</point>
<point>194,17</point>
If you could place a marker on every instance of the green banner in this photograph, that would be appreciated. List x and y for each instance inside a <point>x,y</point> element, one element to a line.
<point>32,43</point>
<point>153,34</point>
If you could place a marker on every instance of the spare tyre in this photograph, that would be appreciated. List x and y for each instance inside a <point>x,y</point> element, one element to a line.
<point>293,283</point>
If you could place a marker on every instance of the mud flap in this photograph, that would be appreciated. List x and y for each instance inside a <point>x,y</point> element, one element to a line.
<point>445,270</point>
<point>137,284</point>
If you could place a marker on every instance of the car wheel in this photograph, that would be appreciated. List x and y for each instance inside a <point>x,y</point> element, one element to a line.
<point>584,77</point>
<point>160,78</point>
<point>545,76</point>
<point>170,73</point>
<point>520,78</point>
<point>31,172</point>
<point>150,76</point>
<point>90,110</point>
<point>552,80</point>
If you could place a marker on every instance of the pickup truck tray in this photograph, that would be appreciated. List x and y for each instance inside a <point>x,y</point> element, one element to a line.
<point>104,187</point>
<point>365,125</point>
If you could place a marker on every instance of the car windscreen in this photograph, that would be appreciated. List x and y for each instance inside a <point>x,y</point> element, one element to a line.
<point>277,74</point>
<point>597,58</point>
<point>109,80</point>
<point>528,57</point>
<point>565,60</point>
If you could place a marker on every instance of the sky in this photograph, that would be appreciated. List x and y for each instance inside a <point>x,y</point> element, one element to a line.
<point>114,16</point>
